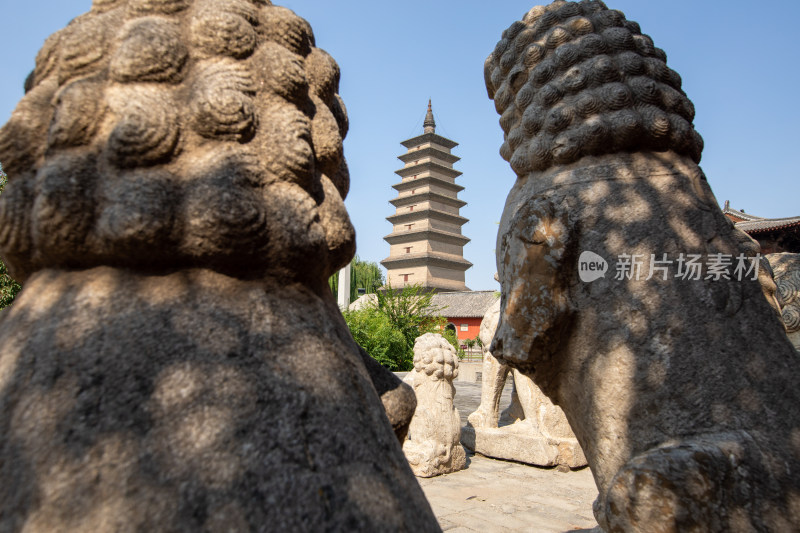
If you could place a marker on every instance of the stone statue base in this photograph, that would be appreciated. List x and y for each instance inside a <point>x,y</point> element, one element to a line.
<point>523,443</point>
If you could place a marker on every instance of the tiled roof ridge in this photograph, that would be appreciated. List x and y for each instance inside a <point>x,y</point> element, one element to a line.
<point>453,304</point>
<point>767,224</point>
<point>741,214</point>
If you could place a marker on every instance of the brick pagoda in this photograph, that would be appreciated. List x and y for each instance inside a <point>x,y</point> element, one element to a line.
<point>426,243</point>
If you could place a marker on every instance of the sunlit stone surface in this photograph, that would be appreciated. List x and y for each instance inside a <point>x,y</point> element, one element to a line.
<point>682,392</point>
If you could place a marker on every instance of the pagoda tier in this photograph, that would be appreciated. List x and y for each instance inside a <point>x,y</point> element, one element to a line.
<point>404,201</point>
<point>433,184</point>
<point>426,246</point>
<point>426,234</point>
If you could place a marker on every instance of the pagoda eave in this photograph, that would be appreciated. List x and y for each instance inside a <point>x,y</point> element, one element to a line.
<point>428,166</point>
<point>427,234</point>
<point>429,138</point>
<point>426,197</point>
<point>427,180</point>
<point>429,152</point>
<point>438,285</point>
<point>422,214</point>
<point>427,259</point>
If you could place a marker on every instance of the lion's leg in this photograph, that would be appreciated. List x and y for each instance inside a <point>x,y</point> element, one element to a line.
<point>713,483</point>
<point>539,410</point>
<point>494,377</point>
<point>515,411</point>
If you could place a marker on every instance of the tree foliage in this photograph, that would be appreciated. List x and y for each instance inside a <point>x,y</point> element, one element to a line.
<point>374,332</point>
<point>451,336</point>
<point>8,287</point>
<point>388,327</point>
<point>478,341</point>
<point>363,275</point>
<point>411,310</point>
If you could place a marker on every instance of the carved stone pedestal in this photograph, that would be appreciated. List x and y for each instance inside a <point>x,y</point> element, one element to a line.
<point>522,442</point>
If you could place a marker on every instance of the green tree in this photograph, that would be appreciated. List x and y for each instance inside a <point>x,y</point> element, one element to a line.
<point>388,327</point>
<point>470,343</point>
<point>363,275</point>
<point>452,337</point>
<point>374,332</point>
<point>8,287</point>
<point>478,342</point>
<point>411,310</point>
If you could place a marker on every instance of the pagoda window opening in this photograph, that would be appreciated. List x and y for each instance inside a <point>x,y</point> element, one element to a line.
<point>408,249</point>
<point>409,226</point>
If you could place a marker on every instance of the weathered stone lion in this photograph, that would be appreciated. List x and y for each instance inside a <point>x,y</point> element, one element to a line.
<point>786,269</point>
<point>534,431</point>
<point>432,447</point>
<point>679,383</point>
<point>176,361</point>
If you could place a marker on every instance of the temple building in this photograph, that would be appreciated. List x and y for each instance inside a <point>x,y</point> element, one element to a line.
<point>774,235</point>
<point>426,246</point>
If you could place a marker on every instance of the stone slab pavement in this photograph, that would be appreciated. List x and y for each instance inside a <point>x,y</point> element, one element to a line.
<point>500,496</point>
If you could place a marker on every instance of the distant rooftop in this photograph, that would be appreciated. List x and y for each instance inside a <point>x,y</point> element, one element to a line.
<point>456,304</point>
<point>755,224</point>
<point>465,303</point>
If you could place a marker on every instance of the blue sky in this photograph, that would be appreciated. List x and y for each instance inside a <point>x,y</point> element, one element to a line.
<point>739,66</point>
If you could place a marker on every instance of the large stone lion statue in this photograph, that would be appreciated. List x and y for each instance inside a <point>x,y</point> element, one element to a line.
<point>176,360</point>
<point>627,295</point>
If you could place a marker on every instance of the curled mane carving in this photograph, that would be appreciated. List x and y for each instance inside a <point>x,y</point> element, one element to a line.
<point>577,79</point>
<point>164,134</point>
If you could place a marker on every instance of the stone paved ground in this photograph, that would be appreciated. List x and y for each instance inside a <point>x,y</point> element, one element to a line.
<point>492,496</point>
<point>498,496</point>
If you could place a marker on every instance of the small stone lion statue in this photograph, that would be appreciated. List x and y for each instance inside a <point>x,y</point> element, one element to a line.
<point>433,445</point>
<point>627,295</point>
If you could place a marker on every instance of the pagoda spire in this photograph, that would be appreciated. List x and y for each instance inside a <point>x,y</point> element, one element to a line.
<point>429,124</point>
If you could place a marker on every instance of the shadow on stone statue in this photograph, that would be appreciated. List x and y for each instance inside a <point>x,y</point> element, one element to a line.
<point>680,387</point>
<point>176,360</point>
